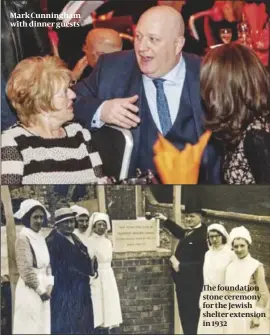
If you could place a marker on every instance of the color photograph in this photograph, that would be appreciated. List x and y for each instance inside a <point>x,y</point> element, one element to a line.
<point>135,92</point>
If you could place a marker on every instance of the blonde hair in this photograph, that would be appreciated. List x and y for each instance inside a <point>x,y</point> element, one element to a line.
<point>33,83</point>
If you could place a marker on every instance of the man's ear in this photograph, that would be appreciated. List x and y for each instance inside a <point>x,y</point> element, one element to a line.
<point>180,42</point>
<point>84,48</point>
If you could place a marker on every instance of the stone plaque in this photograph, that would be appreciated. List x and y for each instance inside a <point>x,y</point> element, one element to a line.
<point>134,235</point>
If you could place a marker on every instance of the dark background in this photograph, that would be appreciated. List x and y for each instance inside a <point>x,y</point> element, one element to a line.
<point>243,199</point>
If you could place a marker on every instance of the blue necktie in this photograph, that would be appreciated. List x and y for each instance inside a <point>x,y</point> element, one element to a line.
<point>162,107</point>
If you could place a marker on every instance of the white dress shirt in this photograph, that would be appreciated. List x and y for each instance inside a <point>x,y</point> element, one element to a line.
<point>173,87</point>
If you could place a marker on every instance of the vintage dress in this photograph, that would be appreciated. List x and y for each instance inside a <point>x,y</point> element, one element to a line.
<point>257,152</point>
<point>71,304</point>
<point>105,296</point>
<point>236,166</point>
<point>82,236</point>
<point>31,314</point>
<point>243,272</point>
<point>215,263</point>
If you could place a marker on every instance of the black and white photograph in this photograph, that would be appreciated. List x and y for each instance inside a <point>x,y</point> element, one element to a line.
<point>85,259</point>
<point>135,167</point>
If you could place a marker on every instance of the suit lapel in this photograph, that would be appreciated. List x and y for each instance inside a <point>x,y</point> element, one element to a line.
<point>191,237</point>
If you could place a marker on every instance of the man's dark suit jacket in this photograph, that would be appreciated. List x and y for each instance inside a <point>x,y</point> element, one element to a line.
<point>117,75</point>
<point>189,252</point>
<point>188,280</point>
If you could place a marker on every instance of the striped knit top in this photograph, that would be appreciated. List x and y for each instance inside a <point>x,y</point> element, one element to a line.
<point>31,159</point>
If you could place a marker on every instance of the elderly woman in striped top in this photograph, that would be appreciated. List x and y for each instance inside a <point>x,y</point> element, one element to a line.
<point>46,146</point>
<point>32,313</point>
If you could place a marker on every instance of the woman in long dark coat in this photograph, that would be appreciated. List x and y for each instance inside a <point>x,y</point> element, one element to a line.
<point>71,304</point>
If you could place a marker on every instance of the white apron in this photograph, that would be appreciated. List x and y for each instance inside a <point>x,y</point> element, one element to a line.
<point>240,272</point>
<point>215,263</point>
<point>31,314</point>
<point>105,296</point>
<point>82,236</point>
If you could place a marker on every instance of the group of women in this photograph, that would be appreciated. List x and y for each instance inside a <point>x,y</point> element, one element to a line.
<point>66,282</point>
<point>70,285</point>
<point>235,295</point>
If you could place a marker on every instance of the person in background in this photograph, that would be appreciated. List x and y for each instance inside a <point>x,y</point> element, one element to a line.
<point>99,41</point>
<point>8,117</point>
<point>232,14</point>
<point>105,296</point>
<point>32,314</point>
<point>82,223</point>
<point>216,259</point>
<point>19,43</point>
<point>188,8</point>
<point>173,3</point>
<point>235,90</point>
<point>46,146</point>
<point>187,265</point>
<point>249,272</point>
<point>71,304</point>
<point>154,89</point>
<point>133,8</point>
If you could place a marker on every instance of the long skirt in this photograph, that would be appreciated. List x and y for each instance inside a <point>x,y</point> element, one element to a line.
<point>242,325</point>
<point>210,321</point>
<point>31,314</point>
<point>105,298</point>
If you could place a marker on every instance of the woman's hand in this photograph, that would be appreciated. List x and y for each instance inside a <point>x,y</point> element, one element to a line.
<point>45,297</point>
<point>255,322</point>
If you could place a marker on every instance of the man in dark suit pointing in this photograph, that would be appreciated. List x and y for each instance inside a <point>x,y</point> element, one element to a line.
<point>150,90</point>
<point>187,265</point>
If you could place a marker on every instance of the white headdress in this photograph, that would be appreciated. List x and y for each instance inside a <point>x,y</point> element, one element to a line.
<point>240,232</point>
<point>27,205</point>
<point>79,210</point>
<point>99,216</point>
<point>219,228</point>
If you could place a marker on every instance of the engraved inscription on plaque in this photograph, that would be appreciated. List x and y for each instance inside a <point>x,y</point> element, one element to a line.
<point>134,235</point>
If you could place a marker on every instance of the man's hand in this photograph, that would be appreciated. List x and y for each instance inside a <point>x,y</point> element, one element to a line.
<point>79,68</point>
<point>120,112</point>
<point>255,322</point>
<point>160,216</point>
<point>175,263</point>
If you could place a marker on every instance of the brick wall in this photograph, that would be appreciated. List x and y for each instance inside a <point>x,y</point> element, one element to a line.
<point>146,292</point>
